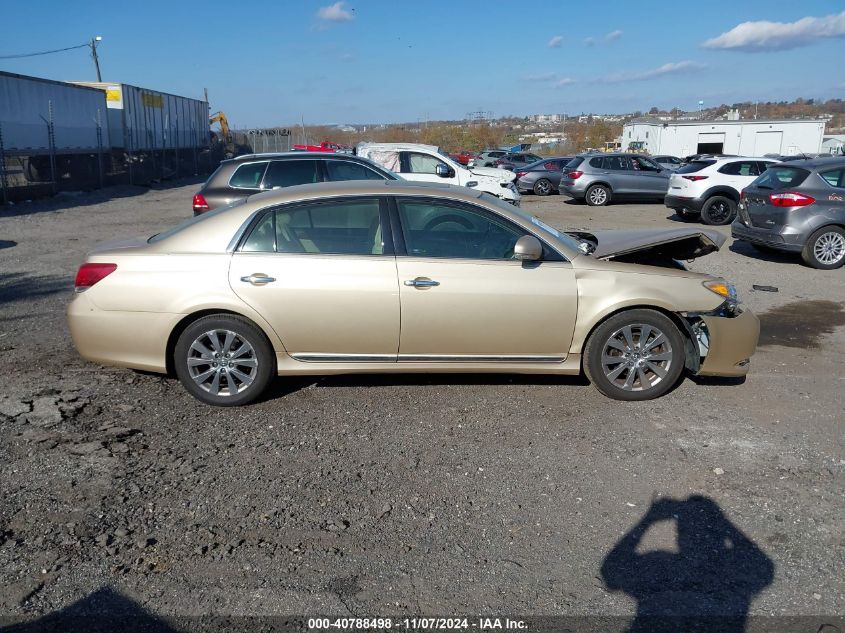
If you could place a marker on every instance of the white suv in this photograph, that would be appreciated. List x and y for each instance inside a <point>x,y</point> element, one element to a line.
<point>709,187</point>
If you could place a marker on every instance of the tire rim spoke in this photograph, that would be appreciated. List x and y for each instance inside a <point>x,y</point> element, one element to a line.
<point>222,362</point>
<point>637,357</point>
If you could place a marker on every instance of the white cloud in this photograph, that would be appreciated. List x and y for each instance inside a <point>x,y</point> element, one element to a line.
<point>540,77</point>
<point>772,36</point>
<point>556,41</point>
<point>613,36</point>
<point>566,81</point>
<point>665,69</point>
<point>336,12</point>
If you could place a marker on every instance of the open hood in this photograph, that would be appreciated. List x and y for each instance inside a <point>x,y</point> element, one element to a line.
<point>502,175</point>
<point>677,244</point>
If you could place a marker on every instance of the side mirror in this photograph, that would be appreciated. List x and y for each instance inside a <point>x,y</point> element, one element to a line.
<point>528,249</point>
<point>443,170</point>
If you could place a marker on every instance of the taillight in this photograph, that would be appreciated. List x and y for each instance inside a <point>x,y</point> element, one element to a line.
<point>790,199</point>
<point>575,175</point>
<point>520,174</point>
<point>199,203</point>
<point>742,195</point>
<point>695,178</point>
<point>90,274</point>
<point>498,161</point>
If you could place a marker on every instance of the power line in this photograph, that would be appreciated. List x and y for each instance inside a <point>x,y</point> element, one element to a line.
<point>58,50</point>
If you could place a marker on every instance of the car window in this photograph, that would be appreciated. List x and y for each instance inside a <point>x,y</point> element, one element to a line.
<point>597,162</point>
<point>423,163</point>
<point>779,178</point>
<point>694,166</point>
<point>638,163</point>
<point>835,178</point>
<point>436,229</point>
<point>615,163</point>
<point>740,168</point>
<point>533,157</point>
<point>551,165</point>
<point>347,170</point>
<point>248,176</point>
<point>287,173</point>
<point>339,227</point>
<point>573,164</point>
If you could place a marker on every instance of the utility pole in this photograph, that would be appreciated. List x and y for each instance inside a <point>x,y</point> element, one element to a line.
<point>93,46</point>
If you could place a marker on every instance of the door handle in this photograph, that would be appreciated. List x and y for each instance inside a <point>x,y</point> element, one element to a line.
<point>258,279</point>
<point>421,282</point>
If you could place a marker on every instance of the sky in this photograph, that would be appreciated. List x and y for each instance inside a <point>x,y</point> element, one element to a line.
<point>268,63</point>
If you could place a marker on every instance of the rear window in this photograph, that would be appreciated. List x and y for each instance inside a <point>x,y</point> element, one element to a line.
<point>694,166</point>
<point>573,164</point>
<point>834,178</point>
<point>248,176</point>
<point>778,178</point>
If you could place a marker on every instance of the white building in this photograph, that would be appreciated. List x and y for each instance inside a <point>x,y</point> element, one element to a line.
<point>833,144</point>
<point>546,119</point>
<point>743,138</point>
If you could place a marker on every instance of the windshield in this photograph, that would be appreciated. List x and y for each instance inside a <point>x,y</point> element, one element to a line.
<point>778,178</point>
<point>191,221</point>
<point>545,229</point>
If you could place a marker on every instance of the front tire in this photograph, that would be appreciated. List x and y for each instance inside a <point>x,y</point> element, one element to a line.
<point>635,355</point>
<point>825,249</point>
<point>543,187</point>
<point>597,196</point>
<point>224,360</point>
<point>718,210</point>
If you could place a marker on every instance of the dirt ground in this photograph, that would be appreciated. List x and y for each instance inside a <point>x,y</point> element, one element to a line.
<point>431,495</point>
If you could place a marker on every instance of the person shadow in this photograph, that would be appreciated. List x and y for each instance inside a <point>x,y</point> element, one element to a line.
<point>705,586</point>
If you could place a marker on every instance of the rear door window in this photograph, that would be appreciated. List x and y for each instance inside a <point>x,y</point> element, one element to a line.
<point>248,176</point>
<point>616,163</point>
<point>835,178</point>
<point>338,170</point>
<point>287,173</point>
<point>740,168</point>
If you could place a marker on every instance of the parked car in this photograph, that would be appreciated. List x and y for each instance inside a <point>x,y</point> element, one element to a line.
<point>463,157</point>
<point>669,162</point>
<point>240,177</point>
<point>515,161</point>
<point>709,188</point>
<point>426,163</point>
<point>397,277</point>
<point>324,146</point>
<point>797,207</point>
<point>488,157</point>
<point>600,178</point>
<point>541,177</point>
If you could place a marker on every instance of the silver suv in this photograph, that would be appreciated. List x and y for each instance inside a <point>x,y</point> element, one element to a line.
<point>598,178</point>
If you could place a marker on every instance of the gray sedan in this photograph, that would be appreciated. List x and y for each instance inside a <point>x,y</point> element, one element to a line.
<point>541,177</point>
<point>797,207</point>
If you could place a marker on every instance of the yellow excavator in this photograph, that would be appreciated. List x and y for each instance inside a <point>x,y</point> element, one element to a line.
<point>230,148</point>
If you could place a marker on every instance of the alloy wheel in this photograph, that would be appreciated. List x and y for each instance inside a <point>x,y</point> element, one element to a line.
<point>222,362</point>
<point>637,357</point>
<point>598,196</point>
<point>829,248</point>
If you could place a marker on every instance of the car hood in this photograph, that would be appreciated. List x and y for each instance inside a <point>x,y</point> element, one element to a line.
<point>680,244</point>
<point>502,175</point>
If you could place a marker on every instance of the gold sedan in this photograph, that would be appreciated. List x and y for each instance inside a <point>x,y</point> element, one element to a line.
<point>365,277</point>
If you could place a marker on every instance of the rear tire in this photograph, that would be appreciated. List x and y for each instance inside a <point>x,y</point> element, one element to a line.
<point>635,355</point>
<point>224,360</point>
<point>543,187</point>
<point>597,196</point>
<point>718,210</point>
<point>825,249</point>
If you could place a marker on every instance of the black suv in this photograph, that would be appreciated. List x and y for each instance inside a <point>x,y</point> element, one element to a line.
<point>240,177</point>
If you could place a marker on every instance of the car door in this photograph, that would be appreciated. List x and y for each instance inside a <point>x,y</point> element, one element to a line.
<point>619,173</point>
<point>651,178</point>
<point>463,296</point>
<point>740,173</point>
<point>323,275</point>
<point>423,167</point>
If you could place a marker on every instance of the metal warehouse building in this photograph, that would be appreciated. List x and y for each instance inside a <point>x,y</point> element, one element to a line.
<point>743,138</point>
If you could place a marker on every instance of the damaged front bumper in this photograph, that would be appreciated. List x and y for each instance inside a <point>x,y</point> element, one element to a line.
<point>726,341</point>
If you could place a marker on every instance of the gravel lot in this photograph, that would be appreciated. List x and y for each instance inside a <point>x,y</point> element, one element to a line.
<point>414,495</point>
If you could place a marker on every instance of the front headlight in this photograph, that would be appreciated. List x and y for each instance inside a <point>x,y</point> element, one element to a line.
<point>723,289</point>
